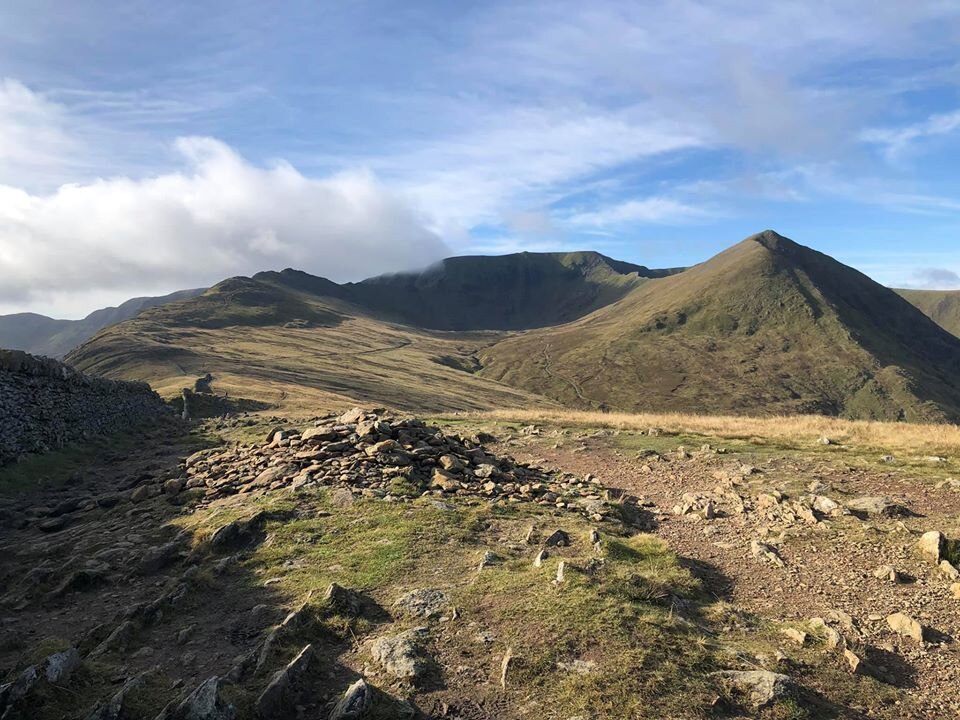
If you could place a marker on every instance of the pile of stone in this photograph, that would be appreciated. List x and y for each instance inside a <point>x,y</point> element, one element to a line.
<point>769,507</point>
<point>773,507</point>
<point>45,404</point>
<point>377,455</point>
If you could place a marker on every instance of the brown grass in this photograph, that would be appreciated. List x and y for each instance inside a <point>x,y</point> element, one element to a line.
<point>795,430</point>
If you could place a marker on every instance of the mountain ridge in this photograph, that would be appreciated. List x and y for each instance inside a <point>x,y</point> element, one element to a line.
<point>41,335</point>
<point>496,292</point>
<point>767,326</point>
<point>726,332</point>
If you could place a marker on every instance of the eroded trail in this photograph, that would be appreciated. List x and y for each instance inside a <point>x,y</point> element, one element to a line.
<point>726,512</point>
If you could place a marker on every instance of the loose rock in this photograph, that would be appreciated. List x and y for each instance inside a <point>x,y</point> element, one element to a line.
<point>354,703</point>
<point>400,654</point>
<point>760,686</point>
<point>906,626</point>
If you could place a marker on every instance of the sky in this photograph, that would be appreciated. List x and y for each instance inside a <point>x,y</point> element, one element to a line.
<point>150,147</point>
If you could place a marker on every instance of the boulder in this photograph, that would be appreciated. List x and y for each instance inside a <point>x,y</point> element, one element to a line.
<point>876,506</point>
<point>931,546</point>
<point>352,416</point>
<point>425,603</point>
<point>382,448</point>
<point>58,668</point>
<point>947,570</point>
<point>485,471</point>
<point>825,505</point>
<point>115,707</point>
<point>343,600</point>
<point>156,559</point>
<point>140,494</point>
<point>14,691</point>
<point>116,641</point>
<point>341,497</point>
<point>831,638</point>
<point>278,699</point>
<point>272,474</point>
<point>888,573</point>
<point>238,533</point>
<point>905,626</point>
<point>853,661</point>
<point>798,636</point>
<point>174,486</point>
<point>373,426</point>
<point>488,558</point>
<point>354,703</point>
<point>451,463</point>
<point>558,538</point>
<point>400,655</point>
<point>318,435</point>
<point>766,552</point>
<point>444,480</point>
<point>760,687</point>
<point>204,703</point>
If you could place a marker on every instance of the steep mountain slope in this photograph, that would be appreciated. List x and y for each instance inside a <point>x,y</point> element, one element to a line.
<point>768,326</point>
<point>41,335</point>
<point>941,306</point>
<point>508,292</point>
<point>294,350</point>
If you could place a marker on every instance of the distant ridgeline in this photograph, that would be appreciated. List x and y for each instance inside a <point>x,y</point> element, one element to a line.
<point>45,404</point>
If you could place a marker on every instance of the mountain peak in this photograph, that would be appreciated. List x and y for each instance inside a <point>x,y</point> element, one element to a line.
<point>773,241</point>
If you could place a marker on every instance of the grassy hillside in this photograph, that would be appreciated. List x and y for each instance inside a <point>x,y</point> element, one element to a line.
<point>767,327</point>
<point>293,350</point>
<point>941,306</point>
<point>508,292</point>
<point>41,335</point>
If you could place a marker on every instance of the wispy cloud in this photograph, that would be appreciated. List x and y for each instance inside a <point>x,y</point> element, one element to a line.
<point>646,210</point>
<point>34,138</point>
<point>524,158</point>
<point>898,140</point>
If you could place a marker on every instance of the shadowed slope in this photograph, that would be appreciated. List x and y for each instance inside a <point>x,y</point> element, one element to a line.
<point>768,326</point>
<point>509,292</point>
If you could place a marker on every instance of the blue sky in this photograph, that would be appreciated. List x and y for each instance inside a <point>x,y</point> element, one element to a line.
<point>148,147</point>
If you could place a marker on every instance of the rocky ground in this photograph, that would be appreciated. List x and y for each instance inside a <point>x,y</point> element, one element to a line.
<point>371,565</point>
<point>853,539</point>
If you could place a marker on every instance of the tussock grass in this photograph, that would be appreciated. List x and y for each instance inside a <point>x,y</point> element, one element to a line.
<point>794,430</point>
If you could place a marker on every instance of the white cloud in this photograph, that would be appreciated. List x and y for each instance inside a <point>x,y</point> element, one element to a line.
<point>898,140</point>
<point>218,216</point>
<point>646,210</point>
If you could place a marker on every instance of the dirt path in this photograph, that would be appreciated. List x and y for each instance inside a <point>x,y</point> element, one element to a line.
<point>828,566</point>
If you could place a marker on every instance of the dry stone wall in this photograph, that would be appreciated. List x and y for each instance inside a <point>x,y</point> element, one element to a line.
<point>45,404</point>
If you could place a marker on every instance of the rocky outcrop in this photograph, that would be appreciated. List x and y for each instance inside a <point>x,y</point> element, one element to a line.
<point>45,404</point>
<point>376,455</point>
